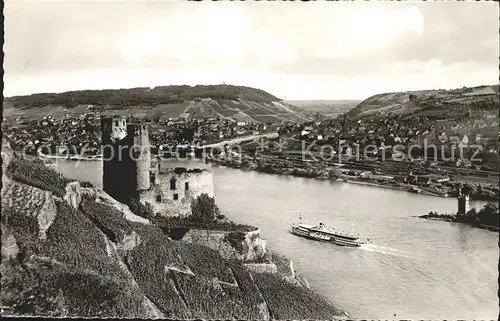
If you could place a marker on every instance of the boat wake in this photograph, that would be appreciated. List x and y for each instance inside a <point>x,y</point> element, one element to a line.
<point>387,250</point>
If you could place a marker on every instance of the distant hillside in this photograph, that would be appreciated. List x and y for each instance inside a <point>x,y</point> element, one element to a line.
<point>431,103</point>
<point>236,102</point>
<point>328,108</point>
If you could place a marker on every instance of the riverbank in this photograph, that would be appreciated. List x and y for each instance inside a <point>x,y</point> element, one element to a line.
<point>486,218</point>
<point>452,219</point>
<point>339,177</point>
<point>307,169</point>
<point>396,187</point>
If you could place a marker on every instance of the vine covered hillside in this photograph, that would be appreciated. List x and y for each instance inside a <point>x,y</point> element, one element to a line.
<point>95,260</point>
<point>431,103</point>
<point>236,102</point>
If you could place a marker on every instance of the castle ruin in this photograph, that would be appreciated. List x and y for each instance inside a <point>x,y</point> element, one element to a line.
<point>168,187</point>
<point>175,183</point>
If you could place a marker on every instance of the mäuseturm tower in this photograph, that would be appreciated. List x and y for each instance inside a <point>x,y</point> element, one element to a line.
<point>127,158</point>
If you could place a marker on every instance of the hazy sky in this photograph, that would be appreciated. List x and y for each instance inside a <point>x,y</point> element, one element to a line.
<point>320,50</point>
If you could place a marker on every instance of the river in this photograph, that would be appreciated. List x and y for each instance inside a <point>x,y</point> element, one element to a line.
<point>411,269</point>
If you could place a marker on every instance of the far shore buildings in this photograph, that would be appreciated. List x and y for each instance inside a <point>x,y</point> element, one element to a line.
<point>168,187</point>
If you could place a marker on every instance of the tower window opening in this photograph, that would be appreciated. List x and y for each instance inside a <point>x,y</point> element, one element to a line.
<point>116,123</point>
<point>186,186</point>
<point>173,182</point>
<point>176,197</point>
<point>158,198</point>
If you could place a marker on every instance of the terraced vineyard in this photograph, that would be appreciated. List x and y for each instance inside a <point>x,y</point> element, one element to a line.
<point>236,102</point>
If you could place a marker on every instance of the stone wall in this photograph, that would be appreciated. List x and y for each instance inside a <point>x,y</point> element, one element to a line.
<point>251,249</point>
<point>262,267</point>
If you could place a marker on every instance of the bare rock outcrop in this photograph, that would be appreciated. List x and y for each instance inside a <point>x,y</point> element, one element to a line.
<point>73,194</point>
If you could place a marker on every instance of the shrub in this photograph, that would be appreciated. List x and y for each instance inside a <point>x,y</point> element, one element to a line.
<point>236,240</point>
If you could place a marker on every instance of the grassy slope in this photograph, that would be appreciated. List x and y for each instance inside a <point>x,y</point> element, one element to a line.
<point>82,268</point>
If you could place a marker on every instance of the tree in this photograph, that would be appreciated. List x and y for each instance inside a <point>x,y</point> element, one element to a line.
<point>334,172</point>
<point>204,209</point>
<point>489,215</point>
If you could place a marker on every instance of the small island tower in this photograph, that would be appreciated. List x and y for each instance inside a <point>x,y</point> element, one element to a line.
<point>463,201</point>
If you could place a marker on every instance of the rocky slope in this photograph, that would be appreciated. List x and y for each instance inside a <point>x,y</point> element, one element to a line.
<point>77,252</point>
<point>444,103</point>
<point>235,102</point>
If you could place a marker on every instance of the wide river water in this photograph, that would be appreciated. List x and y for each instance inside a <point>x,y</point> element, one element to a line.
<point>412,268</point>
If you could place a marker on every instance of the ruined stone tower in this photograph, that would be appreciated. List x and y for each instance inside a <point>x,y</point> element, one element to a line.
<point>126,158</point>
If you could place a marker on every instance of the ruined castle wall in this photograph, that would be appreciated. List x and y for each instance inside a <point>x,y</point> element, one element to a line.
<point>174,200</point>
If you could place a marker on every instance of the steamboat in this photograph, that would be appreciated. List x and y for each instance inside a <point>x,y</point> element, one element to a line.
<point>322,233</point>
